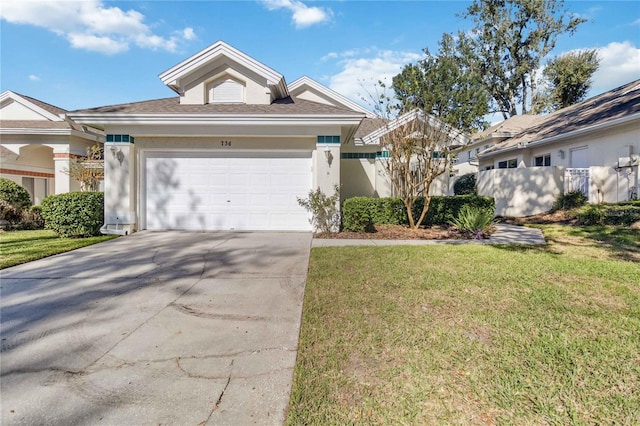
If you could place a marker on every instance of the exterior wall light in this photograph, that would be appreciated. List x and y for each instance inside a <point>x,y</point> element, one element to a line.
<point>327,153</point>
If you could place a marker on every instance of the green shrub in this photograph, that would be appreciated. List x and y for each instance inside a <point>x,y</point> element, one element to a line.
<point>14,194</point>
<point>74,214</point>
<point>442,210</point>
<point>360,213</point>
<point>474,222</point>
<point>389,210</point>
<point>569,201</point>
<point>465,185</point>
<point>621,214</point>
<point>325,216</point>
<point>31,218</point>
<point>9,215</point>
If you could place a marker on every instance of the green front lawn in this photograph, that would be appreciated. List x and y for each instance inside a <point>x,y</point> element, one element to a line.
<point>18,247</point>
<point>473,334</point>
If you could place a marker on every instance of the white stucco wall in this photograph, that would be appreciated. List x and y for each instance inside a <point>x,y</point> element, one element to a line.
<point>522,192</point>
<point>12,110</point>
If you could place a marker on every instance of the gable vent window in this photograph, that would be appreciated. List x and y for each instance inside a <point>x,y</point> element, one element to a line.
<point>226,92</point>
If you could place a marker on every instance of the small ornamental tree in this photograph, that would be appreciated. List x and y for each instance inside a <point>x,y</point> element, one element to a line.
<point>420,148</point>
<point>88,171</point>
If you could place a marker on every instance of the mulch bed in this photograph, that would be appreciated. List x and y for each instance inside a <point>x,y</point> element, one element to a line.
<point>397,232</point>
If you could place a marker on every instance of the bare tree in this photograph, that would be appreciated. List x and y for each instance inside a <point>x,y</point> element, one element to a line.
<point>420,149</point>
<point>89,170</point>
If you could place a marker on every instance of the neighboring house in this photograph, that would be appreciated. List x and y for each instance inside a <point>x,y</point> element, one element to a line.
<point>36,144</point>
<point>233,151</point>
<point>592,146</point>
<point>376,130</point>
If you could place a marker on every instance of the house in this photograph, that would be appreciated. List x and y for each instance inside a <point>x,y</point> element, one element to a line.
<point>37,142</point>
<point>592,146</point>
<point>440,138</point>
<point>232,151</point>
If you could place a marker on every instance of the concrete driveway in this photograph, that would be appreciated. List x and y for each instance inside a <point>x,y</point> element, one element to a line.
<point>154,328</point>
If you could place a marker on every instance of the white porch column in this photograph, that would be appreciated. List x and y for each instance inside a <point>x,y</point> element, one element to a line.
<point>327,167</point>
<point>63,182</point>
<point>120,184</point>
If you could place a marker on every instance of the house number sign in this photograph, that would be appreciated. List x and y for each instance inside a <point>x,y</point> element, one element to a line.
<point>225,143</point>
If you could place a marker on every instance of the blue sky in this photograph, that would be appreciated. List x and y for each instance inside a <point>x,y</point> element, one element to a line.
<point>80,54</point>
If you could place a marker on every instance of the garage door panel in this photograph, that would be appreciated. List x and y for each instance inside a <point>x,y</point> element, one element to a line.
<point>200,191</point>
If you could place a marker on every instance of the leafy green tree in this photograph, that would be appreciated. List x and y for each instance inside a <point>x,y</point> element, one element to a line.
<point>567,79</point>
<point>443,86</point>
<point>507,44</point>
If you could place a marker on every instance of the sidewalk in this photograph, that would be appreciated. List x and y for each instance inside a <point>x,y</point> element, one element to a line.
<point>505,234</point>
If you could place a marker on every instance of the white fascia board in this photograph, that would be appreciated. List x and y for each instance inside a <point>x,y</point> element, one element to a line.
<point>304,80</point>
<point>27,104</point>
<point>25,131</point>
<point>375,136</point>
<point>171,76</point>
<point>208,119</point>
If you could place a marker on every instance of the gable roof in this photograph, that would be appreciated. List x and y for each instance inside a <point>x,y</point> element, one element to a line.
<point>611,108</point>
<point>308,83</point>
<point>375,136</point>
<point>56,122</point>
<point>174,76</point>
<point>48,111</point>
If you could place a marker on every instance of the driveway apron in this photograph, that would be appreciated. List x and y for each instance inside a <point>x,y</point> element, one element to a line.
<point>155,328</point>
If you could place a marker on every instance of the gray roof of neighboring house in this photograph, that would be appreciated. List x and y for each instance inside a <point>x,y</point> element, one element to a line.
<point>290,105</point>
<point>46,124</point>
<point>66,123</point>
<point>615,104</point>
<point>368,125</point>
<point>510,126</point>
<point>45,106</point>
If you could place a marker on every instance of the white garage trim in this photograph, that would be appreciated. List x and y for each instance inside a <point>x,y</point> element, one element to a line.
<point>225,190</point>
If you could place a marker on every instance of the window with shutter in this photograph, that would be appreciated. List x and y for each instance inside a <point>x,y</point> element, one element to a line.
<point>226,92</point>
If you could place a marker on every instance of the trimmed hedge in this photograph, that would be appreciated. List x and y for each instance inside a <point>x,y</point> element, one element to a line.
<point>359,214</point>
<point>14,194</point>
<point>74,214</point>
<point>623,214</point>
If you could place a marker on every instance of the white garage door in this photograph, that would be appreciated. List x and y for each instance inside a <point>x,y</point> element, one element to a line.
<point>228,191</point>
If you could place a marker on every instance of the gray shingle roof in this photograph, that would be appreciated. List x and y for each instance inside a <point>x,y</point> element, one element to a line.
<point>45,106</point>
<point>614,104</point>
<point>172,106</point>
<point>368,125</point>
<point>511,126</point>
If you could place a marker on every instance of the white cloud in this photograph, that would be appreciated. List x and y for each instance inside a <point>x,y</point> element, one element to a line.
<point>619,64</point>
<point>360,74</point>
<point>34,77</point>
<point>189,34</point>
<point>303,15</point>
<point>91,25</point>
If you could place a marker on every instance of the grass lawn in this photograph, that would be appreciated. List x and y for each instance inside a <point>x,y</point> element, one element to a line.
<point>18,247</point>
<point>473,334</point>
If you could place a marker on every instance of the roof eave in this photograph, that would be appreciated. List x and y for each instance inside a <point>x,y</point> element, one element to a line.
<point>218,119</point>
